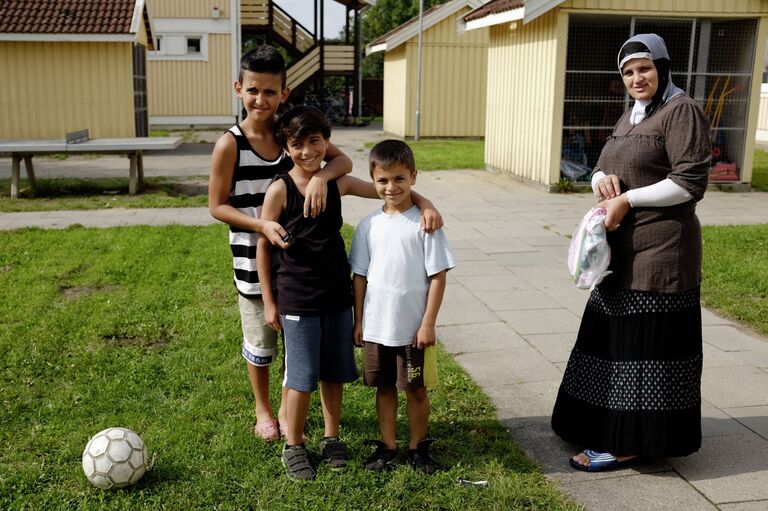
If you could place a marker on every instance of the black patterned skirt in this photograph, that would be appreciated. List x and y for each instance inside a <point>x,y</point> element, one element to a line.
<point>632,385</point>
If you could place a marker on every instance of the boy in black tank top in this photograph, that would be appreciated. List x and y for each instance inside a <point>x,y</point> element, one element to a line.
<point>313,303</point>
<point>245,160</point>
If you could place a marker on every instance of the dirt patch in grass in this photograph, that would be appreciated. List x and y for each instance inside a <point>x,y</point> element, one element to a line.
<point>188,189</point>
<point>135,341</point>
<point>75,292</point>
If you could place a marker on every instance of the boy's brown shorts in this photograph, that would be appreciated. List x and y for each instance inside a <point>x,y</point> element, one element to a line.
<point>395,366</point>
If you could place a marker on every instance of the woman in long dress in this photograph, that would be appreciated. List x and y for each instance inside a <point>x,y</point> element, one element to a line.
<point>632,386</point>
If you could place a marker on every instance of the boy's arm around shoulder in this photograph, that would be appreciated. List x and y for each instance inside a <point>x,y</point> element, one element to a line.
<point>273,205</point>
<point>338,164</point>
<point>223,161</point>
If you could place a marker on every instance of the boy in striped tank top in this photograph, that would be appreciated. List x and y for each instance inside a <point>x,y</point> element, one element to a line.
<point>244,162</point>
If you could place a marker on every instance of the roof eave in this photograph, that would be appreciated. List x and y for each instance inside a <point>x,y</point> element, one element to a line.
<point>399,37</point>
<point>528,12</point>
<point>71,38</point>
<point>375,48</point>
<point>495,19</point>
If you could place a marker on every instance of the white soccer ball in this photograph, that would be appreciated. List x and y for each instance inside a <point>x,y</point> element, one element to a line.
<point>114,458</point>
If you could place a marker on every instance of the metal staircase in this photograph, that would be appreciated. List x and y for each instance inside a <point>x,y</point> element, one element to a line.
<point>313,57</point>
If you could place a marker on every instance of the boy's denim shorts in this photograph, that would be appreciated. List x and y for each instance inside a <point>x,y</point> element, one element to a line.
<point>259,340</point>
<point>318,348</point>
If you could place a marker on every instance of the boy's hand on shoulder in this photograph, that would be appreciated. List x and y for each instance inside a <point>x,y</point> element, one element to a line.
<point>430,220</point>
<point>425,336</point>
<point>315,196</point>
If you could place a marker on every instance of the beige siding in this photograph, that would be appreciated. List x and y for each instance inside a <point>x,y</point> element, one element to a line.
<point>192,87</point>
<point>675,7</point>
<point>454,72</point>
<point>395,79</point>
<point>51,88</point>
<point>187,8</point>
<point>762,118</point>
<point>524,108</point>
<point>754,101</point>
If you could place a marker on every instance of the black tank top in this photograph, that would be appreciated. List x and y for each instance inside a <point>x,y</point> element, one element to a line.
<point>313,275</point>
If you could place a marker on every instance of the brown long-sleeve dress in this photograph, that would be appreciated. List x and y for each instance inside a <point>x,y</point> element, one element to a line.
<point>632,383</point>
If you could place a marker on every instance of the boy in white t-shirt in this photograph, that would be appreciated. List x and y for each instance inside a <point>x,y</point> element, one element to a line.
<point>399,280</point>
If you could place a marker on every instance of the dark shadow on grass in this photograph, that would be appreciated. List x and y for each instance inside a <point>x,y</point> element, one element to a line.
<point>61,188</point>
<point>468,444</point>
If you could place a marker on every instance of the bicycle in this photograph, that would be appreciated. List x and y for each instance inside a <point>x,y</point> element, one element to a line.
<point>333,108</point>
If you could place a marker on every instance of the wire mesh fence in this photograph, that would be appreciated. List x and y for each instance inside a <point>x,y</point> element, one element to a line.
<point>712,59</point>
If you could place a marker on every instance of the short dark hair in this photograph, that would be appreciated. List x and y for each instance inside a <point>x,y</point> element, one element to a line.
<point>391,152</point>
<point>299,123</point>
<point>263,59</point>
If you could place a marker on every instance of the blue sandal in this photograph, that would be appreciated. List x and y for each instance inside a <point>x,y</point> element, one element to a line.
<point>601,462</point>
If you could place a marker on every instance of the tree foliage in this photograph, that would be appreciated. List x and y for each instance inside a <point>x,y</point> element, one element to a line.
<point>379,19</point>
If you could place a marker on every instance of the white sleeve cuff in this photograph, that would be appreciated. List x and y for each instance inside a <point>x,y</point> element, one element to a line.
<point>661,194</point>
<point>596,177</point>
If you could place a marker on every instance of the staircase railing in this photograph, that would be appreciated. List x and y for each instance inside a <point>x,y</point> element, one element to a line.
<point>254,12</point>
<point>291,30</point>
<point>304,68</point>
<point>257,13</point>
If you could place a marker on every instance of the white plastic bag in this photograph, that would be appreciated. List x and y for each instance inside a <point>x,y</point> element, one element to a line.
<point>589,253</point>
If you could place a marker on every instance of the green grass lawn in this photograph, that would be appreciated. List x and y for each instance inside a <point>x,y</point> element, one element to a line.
<point>104,193</point>
<point>760,171</point>
<point>735,277</point>
<point>138,327</point>
<point>445,153</point>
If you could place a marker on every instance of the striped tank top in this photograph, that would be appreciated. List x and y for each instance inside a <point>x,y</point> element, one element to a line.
<point>253,175</point>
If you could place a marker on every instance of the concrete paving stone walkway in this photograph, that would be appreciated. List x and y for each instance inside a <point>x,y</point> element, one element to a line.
<point>510,318</point>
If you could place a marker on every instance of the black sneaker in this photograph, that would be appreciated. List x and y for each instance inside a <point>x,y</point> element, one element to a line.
<point>420,459</point>
<point>382,459</point>
<point>334,452</point>
<point>296,463</point>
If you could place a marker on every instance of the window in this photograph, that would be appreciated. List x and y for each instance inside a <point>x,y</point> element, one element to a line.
<point>193,45</point>
<point>180,47</point>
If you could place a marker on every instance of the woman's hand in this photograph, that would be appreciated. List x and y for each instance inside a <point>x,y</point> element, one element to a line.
<point>616,209</point>
<point>609,187</point>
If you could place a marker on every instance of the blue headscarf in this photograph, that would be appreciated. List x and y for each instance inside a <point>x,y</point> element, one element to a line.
<point>650,46</point>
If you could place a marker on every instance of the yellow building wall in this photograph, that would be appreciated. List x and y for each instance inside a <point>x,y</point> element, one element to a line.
<point>454,71</point>
<point>453,81</point>
<point>395,80</point>
<point>192,87</point>
<point>762,118</point>
<point>58,87</point>
<point>188,8</point>
<point>526,69</point>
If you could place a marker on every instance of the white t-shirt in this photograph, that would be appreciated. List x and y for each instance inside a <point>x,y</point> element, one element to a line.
<point>397,258</point>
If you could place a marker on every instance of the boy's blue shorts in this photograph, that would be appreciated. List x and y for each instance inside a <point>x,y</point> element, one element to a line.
<point>318,348</point>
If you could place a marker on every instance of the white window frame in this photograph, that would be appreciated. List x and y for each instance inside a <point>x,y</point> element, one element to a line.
<point>171,40</point>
